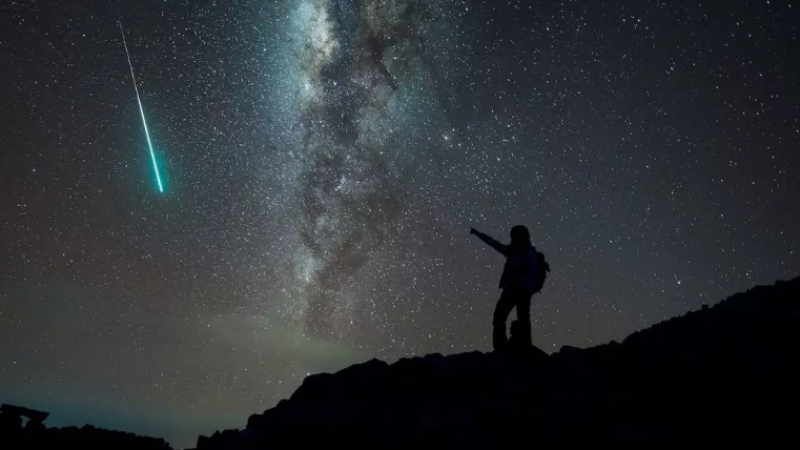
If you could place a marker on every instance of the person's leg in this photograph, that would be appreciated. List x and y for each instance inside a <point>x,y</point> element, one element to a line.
<point>523,303</point>
<point>501,312</point>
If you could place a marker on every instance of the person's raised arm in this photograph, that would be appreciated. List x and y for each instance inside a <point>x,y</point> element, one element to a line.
<point>490,241</point>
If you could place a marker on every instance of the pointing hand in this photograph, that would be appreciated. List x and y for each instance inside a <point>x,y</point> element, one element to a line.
<point>473,230</point>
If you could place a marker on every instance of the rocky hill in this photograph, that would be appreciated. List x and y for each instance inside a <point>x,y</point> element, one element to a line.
<point>728,375</point>
<point>725,375</point>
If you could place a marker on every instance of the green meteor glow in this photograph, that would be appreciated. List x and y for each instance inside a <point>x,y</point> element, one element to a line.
<point>141,110</point>
<point>150,146</point>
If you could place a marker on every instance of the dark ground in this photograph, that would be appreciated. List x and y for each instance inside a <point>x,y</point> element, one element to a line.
<point>721,376</point>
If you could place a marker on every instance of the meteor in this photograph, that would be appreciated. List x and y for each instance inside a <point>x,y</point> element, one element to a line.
<point>141,110</point>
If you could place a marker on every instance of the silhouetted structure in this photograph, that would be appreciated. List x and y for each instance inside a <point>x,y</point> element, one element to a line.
<point>14,414</point>
<point>723,376</point>
<point>523,276</point>
<point>35,436</point>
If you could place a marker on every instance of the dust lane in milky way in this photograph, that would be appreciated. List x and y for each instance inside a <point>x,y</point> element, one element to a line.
<point>351,60</point>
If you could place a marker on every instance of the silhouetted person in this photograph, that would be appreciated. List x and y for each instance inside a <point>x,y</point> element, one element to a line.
<point>516,336</point>
<point>520,280</point>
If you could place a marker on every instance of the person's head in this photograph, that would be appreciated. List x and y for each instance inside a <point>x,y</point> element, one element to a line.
<point>520,235</point>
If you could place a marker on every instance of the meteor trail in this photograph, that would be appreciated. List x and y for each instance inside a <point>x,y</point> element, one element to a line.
<point>141,110</point>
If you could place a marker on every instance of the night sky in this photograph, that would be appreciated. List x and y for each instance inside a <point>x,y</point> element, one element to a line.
<point>323,161</point>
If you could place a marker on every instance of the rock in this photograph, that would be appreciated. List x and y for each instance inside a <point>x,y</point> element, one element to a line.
<point>723,374</point>
<point>726,375</point>
<point>568,350</point>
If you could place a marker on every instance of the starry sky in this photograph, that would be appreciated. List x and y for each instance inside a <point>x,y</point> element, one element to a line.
<point>323,161</point>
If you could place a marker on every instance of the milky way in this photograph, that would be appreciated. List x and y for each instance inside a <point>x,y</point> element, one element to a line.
<point>326,161</point>
<point>351,60</point>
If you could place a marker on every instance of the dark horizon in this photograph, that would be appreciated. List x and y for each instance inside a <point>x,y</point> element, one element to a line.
<point>323,164</point>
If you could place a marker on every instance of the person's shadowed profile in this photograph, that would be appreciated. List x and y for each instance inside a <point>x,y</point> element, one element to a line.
<point>523,275</point>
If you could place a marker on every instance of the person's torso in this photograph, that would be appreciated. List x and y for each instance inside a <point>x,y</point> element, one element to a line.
<point>520,268</point>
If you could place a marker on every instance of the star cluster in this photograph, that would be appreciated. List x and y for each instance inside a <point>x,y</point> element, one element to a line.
<point>323,162</point>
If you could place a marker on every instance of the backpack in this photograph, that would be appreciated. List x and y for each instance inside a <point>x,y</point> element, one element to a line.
<point>544,267</point>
